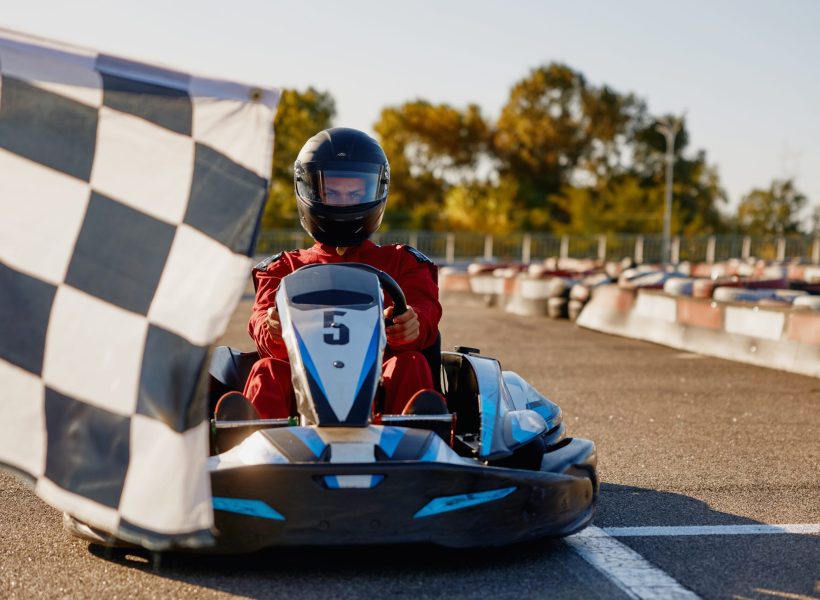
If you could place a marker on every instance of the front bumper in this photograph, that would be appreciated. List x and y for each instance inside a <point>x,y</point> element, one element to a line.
<point>449,505</point>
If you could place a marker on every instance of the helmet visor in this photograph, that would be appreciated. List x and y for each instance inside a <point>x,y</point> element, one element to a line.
<point>345,186</point>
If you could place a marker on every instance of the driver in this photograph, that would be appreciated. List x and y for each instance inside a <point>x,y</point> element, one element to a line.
<point>341,177</point>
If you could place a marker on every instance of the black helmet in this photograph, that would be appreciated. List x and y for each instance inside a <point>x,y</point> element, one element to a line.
<point>341,178</point>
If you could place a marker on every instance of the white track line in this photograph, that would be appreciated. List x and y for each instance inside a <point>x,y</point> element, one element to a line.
<point>635,575</point>
<point>779,594</point>
<point>626,568</point>
<point>760,529</point>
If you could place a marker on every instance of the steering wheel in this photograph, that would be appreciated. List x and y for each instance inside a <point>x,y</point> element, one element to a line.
<point>388,284</point>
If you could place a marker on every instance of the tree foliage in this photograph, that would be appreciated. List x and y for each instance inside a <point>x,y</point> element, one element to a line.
<point>631,198</point>
<point>557,131</point>
<point>300,116</point>
<point>431,147</point>
<point>563,156</point>
<point>482,206</point>
<point>771,211</point>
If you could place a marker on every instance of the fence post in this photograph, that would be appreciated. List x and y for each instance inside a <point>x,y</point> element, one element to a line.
<point>710,250</point>
<point>414,239</point>
<point>564,253</point>
<point>526,248</point>
<point>781,248</point>
<point>450,251</point>
<point>675,253</point>
<point>488,247</point>
<point>815,251</point>
<point>602,248</point>
<point>746,249</point>
<point>639,250</point>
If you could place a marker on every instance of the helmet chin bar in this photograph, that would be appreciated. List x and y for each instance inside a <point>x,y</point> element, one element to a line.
<point>335,226</point>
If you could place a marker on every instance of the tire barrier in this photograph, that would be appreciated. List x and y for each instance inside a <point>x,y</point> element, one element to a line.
<point>807,303</point>
<point>750,312</point>
<point>530,296</point>
<point>779,337</point>
<point>739,294</point>
<point>809,273</point>
<point>526,290</point>
<point>494,287</point>
<point>574,309</point>
<point>557,308</point>
<point>534,290</point>
<point>455,284</point>
<point>679,286</point>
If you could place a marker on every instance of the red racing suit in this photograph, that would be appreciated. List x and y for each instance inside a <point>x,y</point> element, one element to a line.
<point>405,370</point>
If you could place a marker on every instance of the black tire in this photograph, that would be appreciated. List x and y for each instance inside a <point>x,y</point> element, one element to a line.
<point>557,308</point>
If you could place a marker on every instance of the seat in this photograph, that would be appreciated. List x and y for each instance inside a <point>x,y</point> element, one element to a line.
<point>228,372</point>
<point>432,355</point>
<point>461,392</point>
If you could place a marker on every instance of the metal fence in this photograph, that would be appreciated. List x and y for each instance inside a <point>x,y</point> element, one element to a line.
<point>449,248</point>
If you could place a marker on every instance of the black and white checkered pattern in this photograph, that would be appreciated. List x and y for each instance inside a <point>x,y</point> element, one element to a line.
<point>129,201</point>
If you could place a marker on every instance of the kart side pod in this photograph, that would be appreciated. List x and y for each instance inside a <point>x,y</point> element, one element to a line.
<point>511,412</point>
<point>522,426</point>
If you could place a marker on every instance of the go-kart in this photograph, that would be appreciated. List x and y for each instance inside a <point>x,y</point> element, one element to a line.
<point>496,467</point>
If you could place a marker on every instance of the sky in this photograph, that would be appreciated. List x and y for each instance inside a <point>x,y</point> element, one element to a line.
<point>746,72</point>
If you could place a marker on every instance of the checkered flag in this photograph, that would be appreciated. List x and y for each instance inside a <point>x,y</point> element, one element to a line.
<point>129,202</point>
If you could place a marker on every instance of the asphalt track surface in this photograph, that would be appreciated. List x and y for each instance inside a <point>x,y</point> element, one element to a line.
<point>683,441</point>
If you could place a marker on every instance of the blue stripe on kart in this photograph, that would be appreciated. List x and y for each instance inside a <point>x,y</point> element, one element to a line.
<point>552,418</point>
<point>309,438</point>
<point>321,402</point>
<point>311,368</point>
<point>390,438</point>
<point>252,508</point>
<point>488,412</point>
<point>433,448</point>
<point>369,359</point>
<point>447,503</point>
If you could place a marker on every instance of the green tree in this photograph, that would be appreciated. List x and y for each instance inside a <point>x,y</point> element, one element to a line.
<point>696,191</point>
<point>629,196</point>
<point>619,204</point>
<point>431,147</point>
<point>697,197</point>
<point>482,206</point>
<point>564,156</point>
<point>557,131</point>
<point>300,116</point>
<point>772,211</point>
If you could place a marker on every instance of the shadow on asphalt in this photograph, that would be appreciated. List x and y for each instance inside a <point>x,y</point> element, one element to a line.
<point>629,506</point>
<point>307,561</point>
<point>312,568</point>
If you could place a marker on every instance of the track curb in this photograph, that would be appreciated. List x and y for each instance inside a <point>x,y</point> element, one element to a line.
<point>776,337</point>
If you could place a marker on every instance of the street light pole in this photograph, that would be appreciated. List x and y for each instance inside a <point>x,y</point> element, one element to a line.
<point>669,128</point>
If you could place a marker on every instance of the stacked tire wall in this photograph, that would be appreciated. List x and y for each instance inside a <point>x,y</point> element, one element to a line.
<point>769,333</point>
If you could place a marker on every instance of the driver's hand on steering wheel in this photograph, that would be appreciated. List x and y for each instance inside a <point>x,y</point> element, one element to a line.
<point>274,327</point>
<point>405,327</point>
